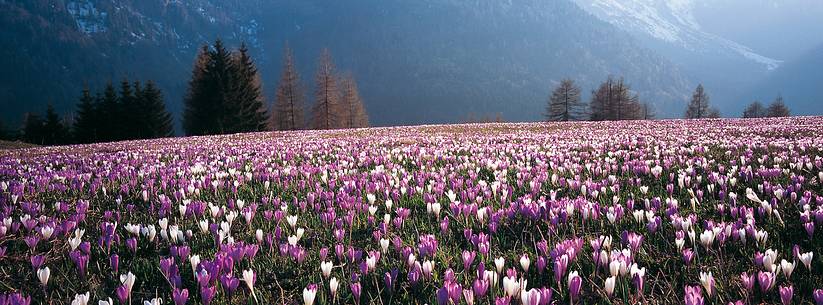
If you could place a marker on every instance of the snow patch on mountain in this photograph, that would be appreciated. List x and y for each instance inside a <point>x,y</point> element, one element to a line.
<point>88,18</point>
<point>671,21</point>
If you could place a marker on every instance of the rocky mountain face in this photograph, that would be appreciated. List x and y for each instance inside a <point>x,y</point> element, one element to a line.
<point>671,28</point>
<point>425,61</point>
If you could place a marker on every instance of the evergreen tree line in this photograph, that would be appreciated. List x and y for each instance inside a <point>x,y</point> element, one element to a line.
<point>613,100</point>
<point>46,129</point>
<point>225,96</point>
<point>131,112</point>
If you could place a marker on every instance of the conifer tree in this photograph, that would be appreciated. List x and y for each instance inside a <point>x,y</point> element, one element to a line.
<point>246,103</point>
<point>325,112</point>
<point>699,107</point>
<point>108,110</point>
<point>778,109</point>
<point>55,132</point>
<point>86,123</point>
<point>157,121</point>
<point>5,134</point>
<point>754,110</point>
<point>209,91</point>
<point>288,108</point>
<point>33,129</point>
<point>564,103</point>
<point>353,112</point>
<point>127,113</point>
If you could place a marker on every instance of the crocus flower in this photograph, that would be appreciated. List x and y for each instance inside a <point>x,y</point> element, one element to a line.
<point>786,293</point>
<point>524,263</point>
<point>575,283</point>
<point>765,280</point>
<point>818,296</point>
<point>249,277</point>
<point>309,293</point>
<point>325,268</point>
<point>333,285</point>
<point>355,291</point>
<point>806,259</point>
<point>609,285</point>
<point>43,275</point>
<point>747,281</point>
<point>787,268</point>
<point>707,280</point>
<point>693,295</point>
<point>530,297</point>
<point>128,282</point>
<point>81,299</point>
<point>180,297</point>
<point>207,294</point>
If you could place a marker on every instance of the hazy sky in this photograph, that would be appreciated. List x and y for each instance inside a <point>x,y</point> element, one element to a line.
<point>780,29</point>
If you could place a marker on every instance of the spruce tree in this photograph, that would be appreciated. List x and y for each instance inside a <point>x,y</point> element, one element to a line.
<point>325,112</point>
<point>353,112</point>
<point>108,110</point>
<point>33,129</point>
<point>564,103</point>
<point>209,108</point>
<point>86,123</point>
<point>195,113</point>
<point>245,105</point>
<point>288,111</point>
<point>778,109</point>
<point>5,134</point>
<point>157,121</point>
<point>55,132</point>
<point>127,113</point>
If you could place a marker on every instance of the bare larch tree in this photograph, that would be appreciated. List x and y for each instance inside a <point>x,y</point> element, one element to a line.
<point>564,103</point>
<point>288,108</point>
<point>325,112</point>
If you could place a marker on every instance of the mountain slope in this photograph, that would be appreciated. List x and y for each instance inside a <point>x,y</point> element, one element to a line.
<point>420,61</point>
<point>669,27</point>
<point>799,82</point>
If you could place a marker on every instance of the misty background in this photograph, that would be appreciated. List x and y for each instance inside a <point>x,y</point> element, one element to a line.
<point>427,61</point>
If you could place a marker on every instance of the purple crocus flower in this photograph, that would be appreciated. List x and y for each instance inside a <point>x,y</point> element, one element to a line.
<point>693,295</point>
<point>747,280</point>
<point>818,296</point>
<point>355,290</point>
<point>545,296</point>
<point>786,293</point>
<point>229,283</point>
<point>115,262</point>
<point>575,283</point>
<point>122,294</point>
<point>688,255</point>
<point>131,243</point>
<point>180,297</point>
<point>37,261</point>
<point>480,288</point>
<point>207,294</point>
<point>502,301</point>
<point>766,280</point>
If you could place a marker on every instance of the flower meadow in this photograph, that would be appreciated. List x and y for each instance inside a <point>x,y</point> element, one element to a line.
<point>655,212</point>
